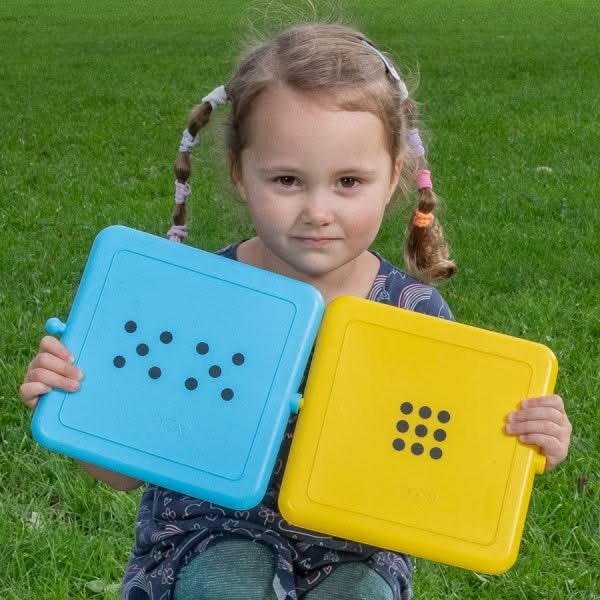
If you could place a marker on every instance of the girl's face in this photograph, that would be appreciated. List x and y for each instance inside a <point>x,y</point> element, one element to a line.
<point>316,180</point>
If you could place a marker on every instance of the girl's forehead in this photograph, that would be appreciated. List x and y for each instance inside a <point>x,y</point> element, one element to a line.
<point>286,120</point>
<point>279,95</point>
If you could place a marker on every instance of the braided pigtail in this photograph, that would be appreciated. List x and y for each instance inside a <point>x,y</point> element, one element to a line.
<point>199,117</point>
<point>426,252</point>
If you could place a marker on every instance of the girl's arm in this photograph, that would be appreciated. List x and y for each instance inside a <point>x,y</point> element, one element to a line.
<point>117,481</point>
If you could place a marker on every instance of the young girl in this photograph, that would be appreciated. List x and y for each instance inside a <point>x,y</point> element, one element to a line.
<point>320,135</point>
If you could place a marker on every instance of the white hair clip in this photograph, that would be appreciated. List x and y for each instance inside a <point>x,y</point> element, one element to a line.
<point>188,141</point>
<point>217,97</point>
<point>390,69</point>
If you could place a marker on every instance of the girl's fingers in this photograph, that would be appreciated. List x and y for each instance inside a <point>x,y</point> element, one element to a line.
<point>545,413</point>
<point>51,345</point>
<point>553,401</point>
<point>51,368</point>
<point>544,423</point>
<point>50,362</point>
<point>542,426</point>
<point>30,393</point>
<point>553,449</point>
<point>550,444</point>
<point>52,379</point>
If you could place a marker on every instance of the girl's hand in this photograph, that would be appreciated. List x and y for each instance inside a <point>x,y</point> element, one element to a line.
<point>543,422</point>
<point>51,368</point>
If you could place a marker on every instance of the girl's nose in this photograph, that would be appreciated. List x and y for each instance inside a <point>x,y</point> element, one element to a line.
<point>316,211</point>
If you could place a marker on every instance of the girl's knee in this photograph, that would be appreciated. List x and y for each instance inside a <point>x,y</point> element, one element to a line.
<point>352,581</point>
<point>228,569</point>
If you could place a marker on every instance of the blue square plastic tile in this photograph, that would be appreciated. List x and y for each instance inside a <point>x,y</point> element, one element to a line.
<point>192,364</point>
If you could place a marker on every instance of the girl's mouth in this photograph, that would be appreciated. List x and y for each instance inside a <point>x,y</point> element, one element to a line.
<point>316,241</point>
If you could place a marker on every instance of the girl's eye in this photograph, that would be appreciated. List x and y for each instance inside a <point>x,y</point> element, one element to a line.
<point>286,180</point>
<point>349,182</point>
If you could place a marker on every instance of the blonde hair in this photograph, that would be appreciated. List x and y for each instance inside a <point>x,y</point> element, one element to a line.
<point>331,61</point>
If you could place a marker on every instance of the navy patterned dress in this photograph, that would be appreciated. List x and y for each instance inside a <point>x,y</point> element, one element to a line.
<point>172,529</point>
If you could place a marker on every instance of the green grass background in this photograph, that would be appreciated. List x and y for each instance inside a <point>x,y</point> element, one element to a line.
<point>93,98</point>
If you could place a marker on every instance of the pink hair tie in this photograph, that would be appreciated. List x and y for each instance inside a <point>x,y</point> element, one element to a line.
<point>415,142</point>
<point>177,233</point>
<point>424,179</point>
<point>182,191</point>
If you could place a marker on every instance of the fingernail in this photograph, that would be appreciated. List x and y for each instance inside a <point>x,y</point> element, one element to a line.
<point>79,375</point>
<point>511,416</point>
<point>524,404</point>
<point>71,358</point>
<point>509,428</point>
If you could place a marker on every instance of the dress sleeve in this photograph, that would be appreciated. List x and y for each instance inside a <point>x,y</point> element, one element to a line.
<point>435,306</point>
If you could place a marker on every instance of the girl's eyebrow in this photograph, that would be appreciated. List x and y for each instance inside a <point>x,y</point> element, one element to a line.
<point>354,169</point>
<point>350,169</point>
<point>278,169</point>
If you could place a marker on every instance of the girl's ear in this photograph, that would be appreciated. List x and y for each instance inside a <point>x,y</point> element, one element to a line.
<point>235,171</point>
<point>396,170</point>
<point>395,178</point>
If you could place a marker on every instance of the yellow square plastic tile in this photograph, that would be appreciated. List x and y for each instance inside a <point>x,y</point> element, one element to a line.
<point>400,440</point>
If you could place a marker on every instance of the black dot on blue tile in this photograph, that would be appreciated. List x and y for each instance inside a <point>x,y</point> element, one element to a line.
<point>119,361</point>
<point>130,326</point>
<point>191,383</point>
<point>402,426</point>
<point>227,394</point>
<point>417,449</point>
<point>443,416</point>
<point>238,359</point>
<point>398,444</point>
<point>202,348</point>
<point>424,412</point>
<point>421,430</point>
<point>142,349</point>
<point>406,408</point>
<point>214,371</point>
<point>166,337</point>
<point>154,372</point>
<point>435,453</point>
<point>439,435</point>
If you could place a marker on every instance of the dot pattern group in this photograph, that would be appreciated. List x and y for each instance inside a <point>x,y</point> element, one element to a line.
<point>428,423</point>
<point>191,383</point>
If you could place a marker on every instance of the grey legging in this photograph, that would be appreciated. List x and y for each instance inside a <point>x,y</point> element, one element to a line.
<point>243,570</point>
